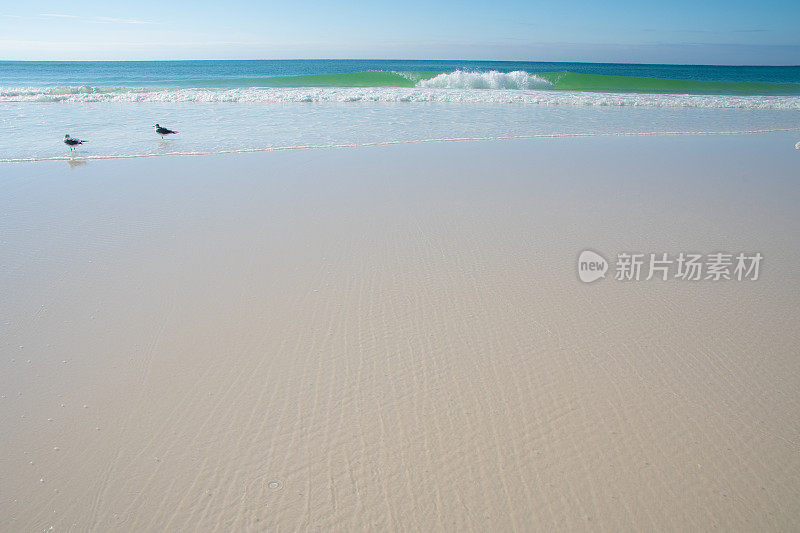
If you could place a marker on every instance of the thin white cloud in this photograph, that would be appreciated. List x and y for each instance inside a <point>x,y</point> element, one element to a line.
<point>95,20</point>
<point>91,45</point>
<point>111,20</point>
<point>58,16</point>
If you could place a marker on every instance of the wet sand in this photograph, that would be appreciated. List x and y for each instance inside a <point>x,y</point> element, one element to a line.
<point>395,338</point>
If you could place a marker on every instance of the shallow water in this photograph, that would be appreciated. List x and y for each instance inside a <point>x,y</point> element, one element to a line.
<point>125,129</point>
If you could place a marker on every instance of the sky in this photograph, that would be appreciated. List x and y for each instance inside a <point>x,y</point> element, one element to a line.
<point>677,31</point>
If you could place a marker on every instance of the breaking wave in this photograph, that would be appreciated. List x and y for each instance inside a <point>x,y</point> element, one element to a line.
<point>462,79</point>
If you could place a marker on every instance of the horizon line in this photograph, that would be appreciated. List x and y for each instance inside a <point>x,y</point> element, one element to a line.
<point>776,65</point>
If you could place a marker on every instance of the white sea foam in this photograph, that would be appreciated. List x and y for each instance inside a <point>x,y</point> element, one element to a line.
<point>463,79</point>
<point>525,96</point>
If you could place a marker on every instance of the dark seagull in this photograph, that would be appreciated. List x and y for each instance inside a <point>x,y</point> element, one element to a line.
<point>72,142</point>
<point>164,131</point>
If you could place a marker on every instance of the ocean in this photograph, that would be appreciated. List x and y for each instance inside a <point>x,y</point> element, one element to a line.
<point>239,106</point>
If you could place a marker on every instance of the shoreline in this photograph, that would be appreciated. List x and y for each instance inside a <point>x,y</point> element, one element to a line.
<point>79,158</point>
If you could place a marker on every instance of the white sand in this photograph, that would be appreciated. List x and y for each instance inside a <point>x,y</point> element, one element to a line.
<point>396,338</point>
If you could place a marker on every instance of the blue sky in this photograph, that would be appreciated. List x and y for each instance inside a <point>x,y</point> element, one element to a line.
<point>677,31</point>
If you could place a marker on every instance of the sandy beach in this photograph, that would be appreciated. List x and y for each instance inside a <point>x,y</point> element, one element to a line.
<point>396,338</point>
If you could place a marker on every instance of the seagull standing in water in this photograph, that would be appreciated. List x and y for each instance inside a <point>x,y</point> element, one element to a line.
<point>72,142</point>
<point>164,131</point>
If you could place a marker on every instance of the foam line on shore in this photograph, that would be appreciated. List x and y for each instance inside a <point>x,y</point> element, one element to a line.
<point>500,95</point>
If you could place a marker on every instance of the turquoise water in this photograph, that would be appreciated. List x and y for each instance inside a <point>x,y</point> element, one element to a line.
<point>228,106</point>
<point>259,73</point>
